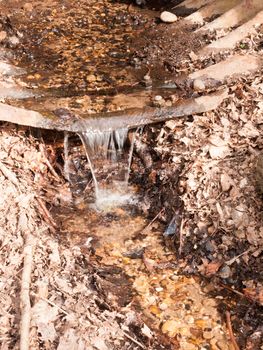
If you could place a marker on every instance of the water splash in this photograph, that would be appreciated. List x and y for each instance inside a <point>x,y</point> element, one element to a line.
<point>109,161</point>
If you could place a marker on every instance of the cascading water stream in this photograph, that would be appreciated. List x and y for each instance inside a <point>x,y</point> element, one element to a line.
<point>109,161</point>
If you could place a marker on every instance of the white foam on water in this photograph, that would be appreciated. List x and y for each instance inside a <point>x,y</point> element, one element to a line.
<point>108,199</point>
<point>109,163</point>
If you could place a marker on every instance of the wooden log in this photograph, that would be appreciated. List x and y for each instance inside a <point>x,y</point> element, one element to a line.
<point>130,118</point>
<point>233,17</point>
<point>234,66</point>
<point>230,41</point>
<point>210,10</point>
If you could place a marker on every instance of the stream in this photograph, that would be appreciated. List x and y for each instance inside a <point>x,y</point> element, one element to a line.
<point>137,267</point>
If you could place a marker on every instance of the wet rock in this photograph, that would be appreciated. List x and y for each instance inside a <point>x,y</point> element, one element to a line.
<point>225,272</point>
<point>168,17</point>
<point>198,85</point>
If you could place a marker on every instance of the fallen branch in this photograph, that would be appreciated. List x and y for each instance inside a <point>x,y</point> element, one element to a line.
<point>52,170</point>
<point>25,305</point>
<point>51,303</point>
<point>9,175</point>
<point>134,340</point>
<point>130,118</point>
<point>46,213</point>
<point>153,220</point>
<point>230,330</point>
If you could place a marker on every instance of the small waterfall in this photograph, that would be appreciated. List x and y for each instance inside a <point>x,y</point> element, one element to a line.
<point>66,158</point>
<point>109,162</point>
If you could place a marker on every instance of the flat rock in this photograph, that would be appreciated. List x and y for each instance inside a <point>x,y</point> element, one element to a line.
<point>168,17</point>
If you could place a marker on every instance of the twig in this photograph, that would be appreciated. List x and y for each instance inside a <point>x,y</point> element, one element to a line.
<point>9,175</point>
<point>134,340</point>
<point>46,212</point>
<point>181,241</point>
<point>145,228</point>
<point>230,330</point>
<point>51,168</point>
<point>231,261</point>
<point>25,305</point>
<point>51,303</point>
<point>233,290</point>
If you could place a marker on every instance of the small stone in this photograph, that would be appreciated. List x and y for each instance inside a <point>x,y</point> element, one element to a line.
<point>198,85</point>
<point>158,98</point>
<point>168,17</point>
<point>28,7</point>
<point>209,246</point>
<point>207,335</point>
<point>187,346</point>
<point>163,306</point>
<point>3,35</point>
<point>243,183</point>
<point>189,319</point>
<point>225,272</point>
<point>14,40</point>
<point>91,78</point>
<point>170,327</point>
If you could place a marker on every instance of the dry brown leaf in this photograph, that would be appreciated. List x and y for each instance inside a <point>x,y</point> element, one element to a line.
<point>43,316</point>
<point>212,267</point>
<point>255,294</point>
<point>226,182</point>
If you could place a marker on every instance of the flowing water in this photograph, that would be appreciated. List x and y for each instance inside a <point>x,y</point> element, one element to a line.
<point>109,155</point>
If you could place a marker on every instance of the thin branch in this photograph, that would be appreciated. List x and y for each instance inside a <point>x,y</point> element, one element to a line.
<point>51,303</point>
<point>134,340</point>
<point>25,305</point>
<point>230,330</point>
<point>9,175</point>
<point>51,168</point>
<point>153,220</point>
<point>181,240</point>
<point>46,213</point>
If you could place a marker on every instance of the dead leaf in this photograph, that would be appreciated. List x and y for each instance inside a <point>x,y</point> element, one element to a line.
<point>255,294</point>
<point>226,182</point>
<point>212,267</point>
<point>43,316</point>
